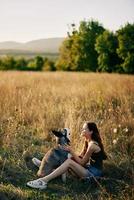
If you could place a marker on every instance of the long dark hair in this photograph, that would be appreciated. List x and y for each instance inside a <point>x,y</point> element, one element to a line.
<point>96,137</point>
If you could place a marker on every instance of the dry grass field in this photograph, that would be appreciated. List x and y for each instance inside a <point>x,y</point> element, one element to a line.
<point>31,104</point>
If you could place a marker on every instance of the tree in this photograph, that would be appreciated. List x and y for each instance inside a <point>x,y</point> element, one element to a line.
<point>8,63</point>
<point>89,31</point>
<point>1,64</point>
<point>39,62</point>
<point>126,47</point>
<point>106,45</point>
<point>77,52</point>
<point>65,61</point>
<point>21,64</point>
<point>35,64</point>
<point>49,65</point>
<point>31,66</point>
<point>128,64</point>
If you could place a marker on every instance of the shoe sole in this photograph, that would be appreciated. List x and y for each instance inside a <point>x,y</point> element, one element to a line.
<point>31,186</point>
<point>34,162</point>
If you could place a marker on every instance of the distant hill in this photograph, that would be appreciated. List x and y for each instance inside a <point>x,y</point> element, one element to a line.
<point>9,45</point>
<point>50,45</point>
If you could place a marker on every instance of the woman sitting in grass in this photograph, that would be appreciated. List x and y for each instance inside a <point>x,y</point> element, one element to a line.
<point>89,164</point>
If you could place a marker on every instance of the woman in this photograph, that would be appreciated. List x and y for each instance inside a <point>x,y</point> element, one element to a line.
<point>89,164</point>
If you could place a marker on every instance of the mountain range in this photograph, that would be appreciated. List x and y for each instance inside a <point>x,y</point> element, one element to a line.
<point>50,45</point>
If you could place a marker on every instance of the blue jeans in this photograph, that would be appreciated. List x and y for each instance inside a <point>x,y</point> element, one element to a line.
<point>93,171</point>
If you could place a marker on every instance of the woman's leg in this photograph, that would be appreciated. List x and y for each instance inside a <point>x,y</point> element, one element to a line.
<point>79,170</point>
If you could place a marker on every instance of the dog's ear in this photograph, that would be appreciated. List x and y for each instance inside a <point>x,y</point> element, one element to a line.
<point>57,133</point>
<point>67,132</point>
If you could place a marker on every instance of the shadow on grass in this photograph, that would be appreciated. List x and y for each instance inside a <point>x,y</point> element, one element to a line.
<point>115,183</point>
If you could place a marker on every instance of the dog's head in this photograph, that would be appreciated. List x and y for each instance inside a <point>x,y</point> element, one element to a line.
<point>62,137</point>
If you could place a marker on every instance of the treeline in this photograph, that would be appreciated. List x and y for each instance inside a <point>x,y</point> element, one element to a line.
<point>91,47</point>
<point>37,63</point>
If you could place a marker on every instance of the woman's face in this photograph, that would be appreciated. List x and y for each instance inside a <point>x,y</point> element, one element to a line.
<point>86,132</point>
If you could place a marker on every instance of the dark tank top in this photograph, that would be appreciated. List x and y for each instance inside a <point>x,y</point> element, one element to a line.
<point>96,159</point>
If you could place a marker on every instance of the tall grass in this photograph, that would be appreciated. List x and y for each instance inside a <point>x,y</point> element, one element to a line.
<point>31,104</point>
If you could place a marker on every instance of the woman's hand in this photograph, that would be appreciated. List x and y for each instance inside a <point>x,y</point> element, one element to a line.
<point>40,174</point>
<point>67,148</point>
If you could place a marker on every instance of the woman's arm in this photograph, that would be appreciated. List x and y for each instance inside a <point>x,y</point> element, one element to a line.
<point>85,146</point>
<point>85,159</point>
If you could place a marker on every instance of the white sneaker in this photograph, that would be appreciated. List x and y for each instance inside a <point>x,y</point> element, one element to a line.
<point>36,162</point>
<point>38,184</point>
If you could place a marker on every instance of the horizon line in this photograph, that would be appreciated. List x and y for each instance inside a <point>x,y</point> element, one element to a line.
<point>23,42</point>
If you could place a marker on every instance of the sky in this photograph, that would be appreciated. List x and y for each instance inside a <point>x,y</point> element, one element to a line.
<point>26,20</point>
